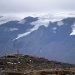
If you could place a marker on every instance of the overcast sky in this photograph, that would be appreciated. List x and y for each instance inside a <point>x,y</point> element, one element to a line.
<point>21,6</point>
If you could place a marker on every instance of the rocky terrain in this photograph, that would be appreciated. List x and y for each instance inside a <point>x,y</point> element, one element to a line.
<point>27,63</point>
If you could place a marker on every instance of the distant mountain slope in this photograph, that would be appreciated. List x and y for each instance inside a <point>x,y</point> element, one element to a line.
<point>54,40</point>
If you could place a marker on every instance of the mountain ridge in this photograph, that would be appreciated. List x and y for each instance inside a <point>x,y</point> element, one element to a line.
<point>53,42</point>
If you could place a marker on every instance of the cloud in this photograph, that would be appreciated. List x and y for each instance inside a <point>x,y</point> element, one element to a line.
<point>41,21</point>
<point>19,6</point>
<point>5,19</point>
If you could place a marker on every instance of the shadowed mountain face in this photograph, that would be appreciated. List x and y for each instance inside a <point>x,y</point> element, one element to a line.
<point>53,42</point>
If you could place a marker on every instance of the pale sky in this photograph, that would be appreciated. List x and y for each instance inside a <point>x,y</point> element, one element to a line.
<point>21,6</point>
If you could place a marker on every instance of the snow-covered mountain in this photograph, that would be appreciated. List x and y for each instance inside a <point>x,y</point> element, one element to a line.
<point>50,36</point>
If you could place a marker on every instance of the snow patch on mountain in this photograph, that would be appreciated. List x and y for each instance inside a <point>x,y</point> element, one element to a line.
<point>60,23</point>
<point>54,29</point>
<point>73,29</point>
<point>13,29</point>
<point>27,33</point>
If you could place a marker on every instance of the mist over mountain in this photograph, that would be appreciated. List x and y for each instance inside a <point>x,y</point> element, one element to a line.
<point>53,39</point>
